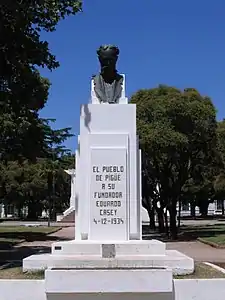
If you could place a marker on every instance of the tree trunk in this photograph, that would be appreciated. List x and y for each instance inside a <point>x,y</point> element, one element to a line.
<point>5,210</point>
<point>147,204</point>
<point>151,214</point>
<point>179,213</point>
<point>32,211</point>
<point>173,221</point>
<point>222,207</point>
<point>19,211</point>
<point>203,207</point>
<point>161,220</point>
<point>166,223</point>
<point>193,209</point>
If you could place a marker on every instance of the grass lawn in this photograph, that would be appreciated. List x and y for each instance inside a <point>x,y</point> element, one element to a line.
<point>17,273</point>
<point>214,234</point>
<point>215,241</point>
<point>11,235</point>
<point>202,271</point>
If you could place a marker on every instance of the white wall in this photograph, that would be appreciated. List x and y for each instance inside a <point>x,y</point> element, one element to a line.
<point>199,289</point>
<point>184,289</point>
<point>22,289</point>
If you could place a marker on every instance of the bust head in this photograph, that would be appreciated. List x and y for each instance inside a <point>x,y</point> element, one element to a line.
<point>108,55</point>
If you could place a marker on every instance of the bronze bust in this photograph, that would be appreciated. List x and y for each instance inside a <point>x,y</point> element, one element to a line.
<point>108,84</point>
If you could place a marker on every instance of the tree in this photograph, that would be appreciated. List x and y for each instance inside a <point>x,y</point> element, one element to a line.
<point>39,184</point>
<point>21,46</point>
<point>56,152</point>
<point>24,145</point>
<point>219,183</point>
<point>23,92</point>
<point>177,131</point>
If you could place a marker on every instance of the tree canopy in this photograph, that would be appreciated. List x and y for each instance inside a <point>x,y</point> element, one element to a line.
<point>31,152</point>
<point>177,131</point>
<point>23,91</point>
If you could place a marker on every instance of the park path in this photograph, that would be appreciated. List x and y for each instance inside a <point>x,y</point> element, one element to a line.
<point>66,233</point>
<point>22,223</point>
<point>25,249</point>
<point>198,251</point>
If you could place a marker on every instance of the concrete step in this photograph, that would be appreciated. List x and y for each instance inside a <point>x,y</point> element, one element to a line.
<point>70,218</point>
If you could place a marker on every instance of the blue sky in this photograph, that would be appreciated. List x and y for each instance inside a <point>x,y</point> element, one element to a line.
<point>174,42</point>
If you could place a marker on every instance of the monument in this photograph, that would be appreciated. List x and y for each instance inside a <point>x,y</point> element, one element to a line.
<point>108,254</point>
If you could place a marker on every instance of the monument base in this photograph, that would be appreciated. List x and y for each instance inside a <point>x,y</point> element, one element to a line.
<point>96,255</point>
<point>109,284</point>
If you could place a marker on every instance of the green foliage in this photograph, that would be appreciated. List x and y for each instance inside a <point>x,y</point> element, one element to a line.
<point>219,183</point>
<point>26,184</point>
<point>32,155</point>
<point>177,131</point>
<point>23,92</point>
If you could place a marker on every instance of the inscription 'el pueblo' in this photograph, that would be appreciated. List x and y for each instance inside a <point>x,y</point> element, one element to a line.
<point>108,197</point>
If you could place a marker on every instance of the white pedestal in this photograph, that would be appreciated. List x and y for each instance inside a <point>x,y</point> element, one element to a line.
<point>108,174</point>
<point>109,255</point>
<point>155,284</point>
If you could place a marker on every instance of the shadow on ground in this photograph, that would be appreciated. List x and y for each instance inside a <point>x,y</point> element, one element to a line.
<point>14,252</point>
<point>15,255</point>
<point>10,239</point>
<point>186,233</point>
<point>27,236</point>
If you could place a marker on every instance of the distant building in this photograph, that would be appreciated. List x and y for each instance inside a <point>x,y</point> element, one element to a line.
<point>214,209</point>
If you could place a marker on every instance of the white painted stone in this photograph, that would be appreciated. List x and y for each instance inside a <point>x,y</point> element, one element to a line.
<point>121,247</point>
<point>183,289</point>
<point>36,262</point>
<point>108,281</point>
<point>179,264</point>
<point>139,187</point>
<point>78,184</point>
<point>22,289</point>
<point>199,289</point>
<point>108,127</point>
<point>68,211</point>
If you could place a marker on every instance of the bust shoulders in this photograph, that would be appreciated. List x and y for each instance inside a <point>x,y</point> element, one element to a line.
<point>96,77</point>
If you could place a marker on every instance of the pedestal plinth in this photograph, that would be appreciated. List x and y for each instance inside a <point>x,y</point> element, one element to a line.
<point>108,174</point>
